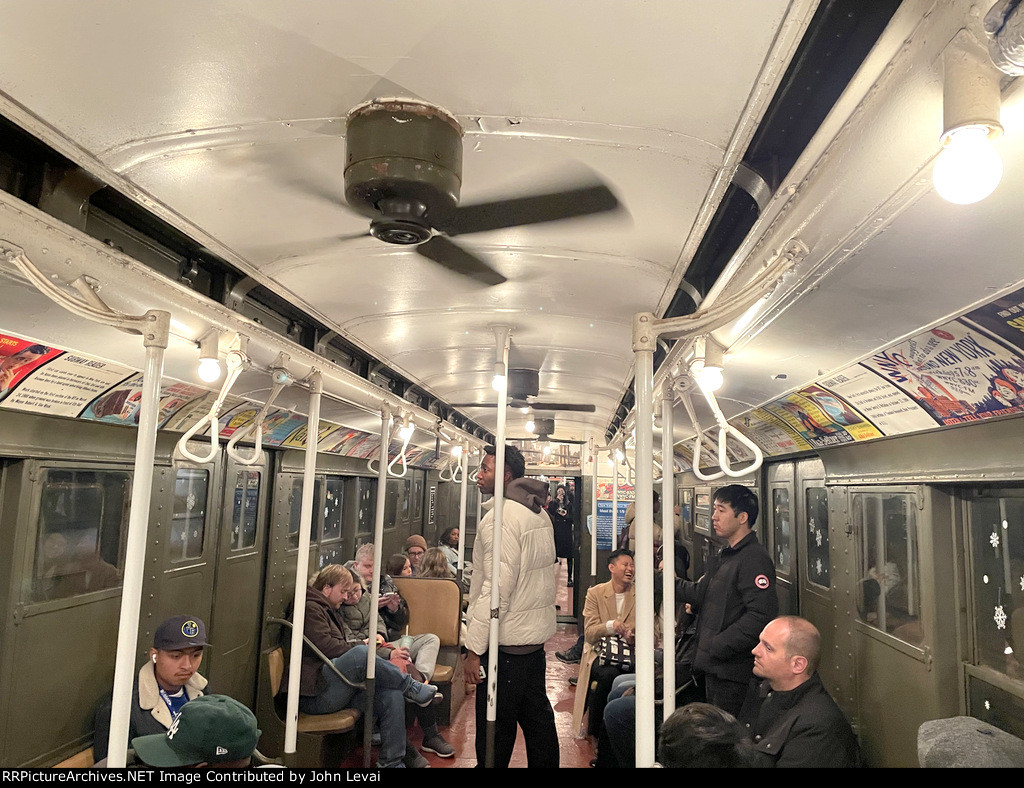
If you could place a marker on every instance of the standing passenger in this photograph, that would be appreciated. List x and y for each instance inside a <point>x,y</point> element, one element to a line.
<point>734,600</point>
<point>527,615</point>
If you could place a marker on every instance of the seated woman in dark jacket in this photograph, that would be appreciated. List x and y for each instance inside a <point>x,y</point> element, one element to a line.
<point>167,681</point>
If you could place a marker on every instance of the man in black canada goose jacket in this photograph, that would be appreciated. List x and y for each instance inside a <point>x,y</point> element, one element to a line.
<point>734,600</point>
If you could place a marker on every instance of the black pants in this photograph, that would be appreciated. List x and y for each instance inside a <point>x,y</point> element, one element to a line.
<point>601,678</point>
<point>522,701</point>
<point>726,695</point>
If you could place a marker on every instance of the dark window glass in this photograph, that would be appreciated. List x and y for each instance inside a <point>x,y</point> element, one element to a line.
<point>245,509</point>
<point>888,594</point>
<point>997,550</point>
<point>782,528</point>
<point>366,503</point>
<point>818,563</point>
<point>83,516</point>
<point>332,508</point>
<point>296,513</point>
<point>188,523</point>
<point>995,706</point>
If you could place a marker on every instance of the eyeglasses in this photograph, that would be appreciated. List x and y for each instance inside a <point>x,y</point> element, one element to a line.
<point>416,552</point>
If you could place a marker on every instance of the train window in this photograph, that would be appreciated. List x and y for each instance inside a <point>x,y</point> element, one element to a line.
<point>819,565</point>
<point>782,528</point>
<point>83,516</point>
<point>188,522</point>
<point>997,547</point>
<point>245,509</point>
<point>995,706</point>
<point>888,594</point>
<point>296,513</point>
<point>417,496</point>
<point>366,507</point>
<point>332,508</point>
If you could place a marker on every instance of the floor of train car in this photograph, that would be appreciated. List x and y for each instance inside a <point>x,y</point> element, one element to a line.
<point>573,752</point>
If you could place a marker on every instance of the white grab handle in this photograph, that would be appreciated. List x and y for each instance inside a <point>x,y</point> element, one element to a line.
<point>236,360</point>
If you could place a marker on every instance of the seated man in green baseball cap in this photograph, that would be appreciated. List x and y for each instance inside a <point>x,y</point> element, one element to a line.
<point>212,731</point>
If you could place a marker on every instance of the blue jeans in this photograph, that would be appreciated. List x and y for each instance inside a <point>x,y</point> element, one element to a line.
<point>388,701</point>
<point>620,685</point>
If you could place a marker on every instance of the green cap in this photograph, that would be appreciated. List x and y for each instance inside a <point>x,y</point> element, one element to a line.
<point>209,729</point>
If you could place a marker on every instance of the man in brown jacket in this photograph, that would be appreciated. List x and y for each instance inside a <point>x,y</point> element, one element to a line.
<point>322,691</point>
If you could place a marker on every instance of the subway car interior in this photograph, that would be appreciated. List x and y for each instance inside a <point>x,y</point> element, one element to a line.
<point>668,245</point>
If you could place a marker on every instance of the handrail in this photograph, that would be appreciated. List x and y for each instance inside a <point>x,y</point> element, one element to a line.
<point>684,396</point>
<point>724,430</point>
<point>281,379</point>
<point>324,658</point>
<point>236,361</point>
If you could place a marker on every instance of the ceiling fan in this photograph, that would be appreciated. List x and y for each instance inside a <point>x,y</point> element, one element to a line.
<point>542,429</point>
<point>523,386</point>
<point>403,171</point>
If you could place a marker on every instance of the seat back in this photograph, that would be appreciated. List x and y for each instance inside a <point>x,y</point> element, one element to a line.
<point>435,606</point>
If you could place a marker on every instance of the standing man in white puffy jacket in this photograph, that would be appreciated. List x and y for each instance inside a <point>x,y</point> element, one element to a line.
<point>526,615</point>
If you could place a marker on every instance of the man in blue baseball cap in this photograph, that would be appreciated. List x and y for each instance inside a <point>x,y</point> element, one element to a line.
<point>212,731</point>
<point>166,682</point>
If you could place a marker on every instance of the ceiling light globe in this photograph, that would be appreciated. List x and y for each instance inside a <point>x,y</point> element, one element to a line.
<point>209,370</point>
<point>969,168</point>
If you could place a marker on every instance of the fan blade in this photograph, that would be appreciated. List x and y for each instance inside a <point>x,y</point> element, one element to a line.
<point>563,406</point>
<point>455,258</point>
<point>517,211</point>
<point>473,405</point>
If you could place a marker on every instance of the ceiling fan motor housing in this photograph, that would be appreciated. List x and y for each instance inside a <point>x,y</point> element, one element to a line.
<point>403,166</point>
<point>543,427</point>
<point>523,383</point>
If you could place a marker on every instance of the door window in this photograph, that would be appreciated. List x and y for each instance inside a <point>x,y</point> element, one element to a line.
<point>188,522</point>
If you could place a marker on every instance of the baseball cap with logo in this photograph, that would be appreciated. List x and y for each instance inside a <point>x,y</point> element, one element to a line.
<point>209,729</point>
<point>180,632</point>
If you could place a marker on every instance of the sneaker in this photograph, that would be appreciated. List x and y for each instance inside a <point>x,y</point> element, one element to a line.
<point>375,739</point>
<point>413,759</point>
<point>438,746</point>
<point>420,694</point>
<point>573,680</point>
<point>569,656</point>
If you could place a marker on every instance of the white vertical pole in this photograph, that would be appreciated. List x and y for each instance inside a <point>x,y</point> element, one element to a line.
<point>668,541</point>
<point>643,381</point>
<point>615,504</point>
<point>378,538</point>
<point>302,564</point>
<point>135,549</point>
<point>593,517</point>
<point>502,336</point>
<point>463,494</point>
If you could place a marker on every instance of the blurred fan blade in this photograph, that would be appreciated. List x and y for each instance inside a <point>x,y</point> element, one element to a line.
<point>563,406</point>
<point>474,405</point>
<point>518,211</point>
<point>455,258</point>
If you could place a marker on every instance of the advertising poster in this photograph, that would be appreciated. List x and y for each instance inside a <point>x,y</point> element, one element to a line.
<point>333,442</point>
<point>120,405</point>
<point>956,373</point>
<point>1004,317</point>
<point>189,414</point>
<point>604,490</point>
<point>236,418</point>
<point>278,425</point>
<point>885,405</point>
<point>805,413</point>
<point>771,434</point>
<point>65,385</point>
<point>18,359</point>
<point>297,440</point>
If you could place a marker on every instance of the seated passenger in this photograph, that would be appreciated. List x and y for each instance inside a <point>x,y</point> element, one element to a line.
<point>435,564</point>
<point>392,608</point>
<point>321,691</point>
<point>398,565</point>
<point>702,736</point>
<point>422,650</point>
<point>790,716</point>
<point>415,547</point>
<point>214,731</point>
<point>608,619</point>
<point>449,544</point>
<point>165,683</point>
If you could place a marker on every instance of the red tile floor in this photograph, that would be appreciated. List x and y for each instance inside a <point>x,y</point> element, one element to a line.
<point>573,752</point>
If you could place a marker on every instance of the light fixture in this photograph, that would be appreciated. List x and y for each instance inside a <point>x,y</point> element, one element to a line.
<point>530,426</point>
<point>706,365</point>
<point>619,456</point>
<point>546,450</point>
<point>524,410</point>
<point>456,451</point>
<point>209,360</point>
<point>499,380</point>
<point>408,428</point>
<point>968,169</point>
